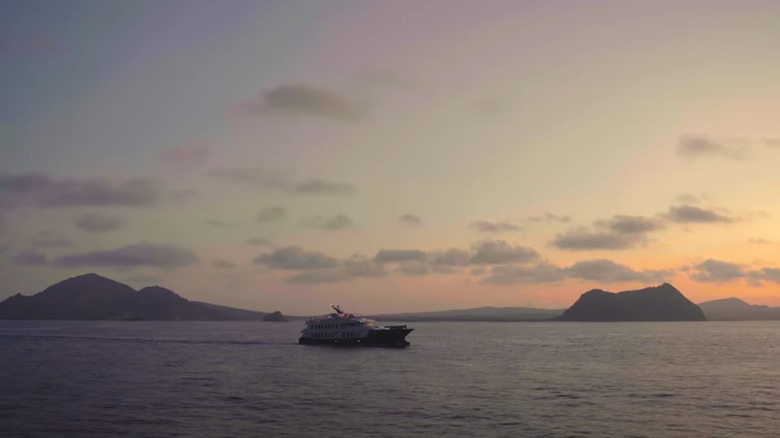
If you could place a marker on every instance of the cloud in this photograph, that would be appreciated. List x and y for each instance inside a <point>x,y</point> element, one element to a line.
<point>355,267</point>
<point>259,241</point>
<point>218,223</point>
<point>693,214</point>
<point>493,227</point>
<point>224,264</point>
<point>413,268</point>
<point>760,241</point>
<point>410,219</point>
<point>30,257</point>
<point>549,217</point>
<point>582,239</point>
<point>771,142</point>
<point>451,257</point>
<point>399,255</point>
<point>610,272</point>
<point>274,179</point>
<point>363,267</point>
<point>258,176</point>
<point>139,254</point>
<point>768,274</point>
<point>46,240</point>
<point>98,223</point>
<point>338,222</point>
<point>600,270</point>
<point>717,271</point>
<point>493,252</point>
<point>296,258</point>
<point>695,146</point>
<point>513,274</point>
<point>271,214</point>
<point>316,277</point>
<point>43,191</point>
<point>622,224</point>
<point>691,198</point>
<point>320,187</point>
<point>301,99</point>
<point>189,154</point>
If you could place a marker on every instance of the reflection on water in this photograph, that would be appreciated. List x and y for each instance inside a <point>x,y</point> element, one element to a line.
<point>215,379</point>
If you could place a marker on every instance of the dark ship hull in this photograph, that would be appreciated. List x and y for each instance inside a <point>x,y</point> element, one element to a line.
<point>393,336</point>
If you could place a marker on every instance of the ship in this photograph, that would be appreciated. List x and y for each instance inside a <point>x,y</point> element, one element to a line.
<point>349,330</point>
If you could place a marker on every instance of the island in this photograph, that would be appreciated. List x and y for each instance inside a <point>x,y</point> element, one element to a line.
<point>659,303</point>
<point>93,297</point>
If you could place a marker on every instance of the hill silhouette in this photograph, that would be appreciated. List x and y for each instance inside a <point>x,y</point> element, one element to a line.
<point>93,297</point>
<point>734,309</point>
<point>659,303</point>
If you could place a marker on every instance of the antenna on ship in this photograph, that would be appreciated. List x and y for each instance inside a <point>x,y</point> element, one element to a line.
<point>337,308</point>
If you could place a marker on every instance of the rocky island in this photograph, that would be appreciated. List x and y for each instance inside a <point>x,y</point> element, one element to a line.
<point>659,303</point>
<point>92,297</point>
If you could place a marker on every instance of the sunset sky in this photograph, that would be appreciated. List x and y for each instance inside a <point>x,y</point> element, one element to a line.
<point>392,155</point>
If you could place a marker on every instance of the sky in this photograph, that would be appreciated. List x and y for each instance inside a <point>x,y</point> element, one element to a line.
<point>392,155</point>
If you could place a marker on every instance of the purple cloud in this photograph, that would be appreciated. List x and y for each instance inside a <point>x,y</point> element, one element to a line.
<point>98,223</point>
<point>43,191</point>
<point>139,254</point>
<point>30,257</point>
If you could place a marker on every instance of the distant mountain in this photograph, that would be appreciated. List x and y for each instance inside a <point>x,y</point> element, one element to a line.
<point>734,309</point>
<point>660,303</point>
<point>92,297</point>
<point>477,314</point>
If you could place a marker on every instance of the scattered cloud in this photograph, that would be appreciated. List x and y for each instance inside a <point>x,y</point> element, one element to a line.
<point>513,274</point>
<point>399,255</point>
<point>771,275</point>
<point>278,180</point>
<point>492,252</point>
<point>410,219</point>
<point>296,258</point>
<point>271,214</point>
<point>760,241</point>
<point>315,277</point>
<point>258,176</point>
<point>320,187</point>
<point>771,142</point>
<point>338,222</point>
<point>139,254</point>
<point>40,190</point>
<point>582,239</point>
<point>224,264</point>
<point>622,224</point>
<point>493,227</point>
<point>413,268</point>
<point>189,154</point>
<point>259,241</point>
<point>604,270</point>
<point>717,271</point>
<point>334,223</point>
<point>549,217</point>
<point>692,198</point>
<point>696,146</point>
<point>98,222</point>
<point>451,257</point>
<point>363,267</point>
<point>601,270</point>
<point>693,214</point>
<point>30,257</point>
<point>301,99</point>
<point>46,240</point>
<point>219,224</point>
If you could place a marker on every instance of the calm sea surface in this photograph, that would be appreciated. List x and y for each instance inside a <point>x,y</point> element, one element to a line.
<point>251,379</point>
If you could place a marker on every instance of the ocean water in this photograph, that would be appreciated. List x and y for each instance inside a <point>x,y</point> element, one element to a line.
<point>251,379</point>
